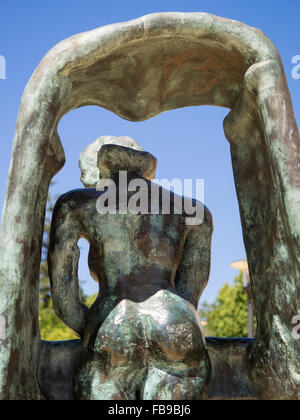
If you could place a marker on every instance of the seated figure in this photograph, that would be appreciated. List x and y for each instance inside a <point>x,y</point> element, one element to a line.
<point>142,337</point>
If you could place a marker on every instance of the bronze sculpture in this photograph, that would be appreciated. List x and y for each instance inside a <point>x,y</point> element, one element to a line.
<point>174,58</point>
<point>141,337</point>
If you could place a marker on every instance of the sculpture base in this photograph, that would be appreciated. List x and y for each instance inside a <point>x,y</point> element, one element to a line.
<point>229,376</point>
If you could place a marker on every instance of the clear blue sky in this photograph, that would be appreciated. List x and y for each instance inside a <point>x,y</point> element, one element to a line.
<point>189,143</point>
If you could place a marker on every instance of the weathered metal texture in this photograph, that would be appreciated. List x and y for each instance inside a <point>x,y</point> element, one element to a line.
<point>152,350</point>
<point>142,336</point>
<point>57,364</point>
<point>229,373</point>
<point>230,379</point>
<point>265,148</point>
<point>137,70</point>
<point>88,159</point>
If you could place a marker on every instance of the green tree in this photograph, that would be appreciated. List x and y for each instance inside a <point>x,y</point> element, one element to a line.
<point>52,329</point>
<point>228,315</point>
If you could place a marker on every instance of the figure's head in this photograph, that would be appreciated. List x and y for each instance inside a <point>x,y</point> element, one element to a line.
<point>113,158</point>
<point>90,174</point>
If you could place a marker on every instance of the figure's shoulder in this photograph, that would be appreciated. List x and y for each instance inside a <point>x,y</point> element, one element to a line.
<point>205,215</point>
<point>186,206</point>
<point>208,217</point>
<point>74,198</point>
<point>201,227</point>
<point>201,212</point>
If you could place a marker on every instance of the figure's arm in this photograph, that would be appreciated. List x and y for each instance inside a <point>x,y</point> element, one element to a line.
<point>63,260</point>
<point>193,272</point>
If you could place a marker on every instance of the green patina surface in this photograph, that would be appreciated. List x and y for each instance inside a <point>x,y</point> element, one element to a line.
<point>149,350</point>
<point>171,55</point>
<point>141,338</point>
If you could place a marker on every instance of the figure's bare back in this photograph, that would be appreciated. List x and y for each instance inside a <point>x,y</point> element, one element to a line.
<point>131,256</point>
<point>141,263</point>
<point>135,251</point>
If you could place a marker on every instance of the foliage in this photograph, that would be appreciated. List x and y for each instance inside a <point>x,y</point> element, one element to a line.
<point>52,329</point>
<point>228,315</point>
